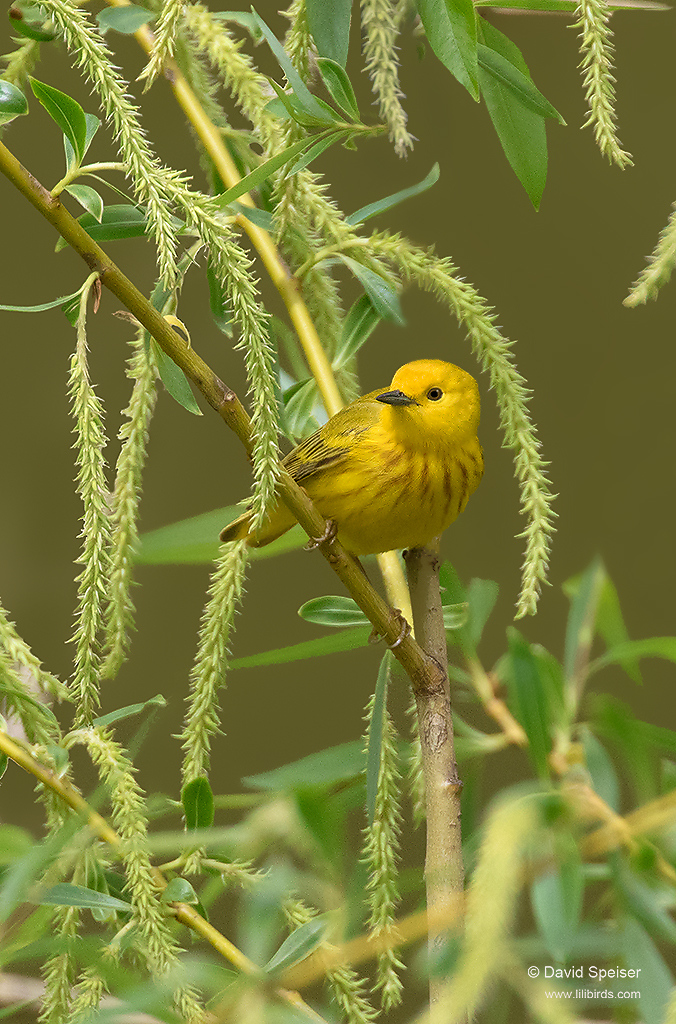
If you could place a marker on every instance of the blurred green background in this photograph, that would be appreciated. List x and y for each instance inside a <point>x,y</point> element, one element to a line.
<point>602,379</point>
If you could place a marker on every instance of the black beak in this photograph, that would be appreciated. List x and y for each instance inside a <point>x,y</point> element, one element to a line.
<point>395,398</point>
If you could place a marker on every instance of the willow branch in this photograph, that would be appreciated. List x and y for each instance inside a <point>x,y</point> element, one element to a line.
<point>444,872</point>
<point>421,669</point>
<point>183,912</point>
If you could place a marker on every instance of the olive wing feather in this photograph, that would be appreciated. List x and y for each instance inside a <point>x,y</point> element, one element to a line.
<point>334,442</point>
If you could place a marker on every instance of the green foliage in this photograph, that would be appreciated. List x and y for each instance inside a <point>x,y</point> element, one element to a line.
<point>587,824</point>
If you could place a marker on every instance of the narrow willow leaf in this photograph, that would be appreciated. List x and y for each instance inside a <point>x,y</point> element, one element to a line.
<point>339,86</point>
<point>44,305</point>
<point>125,20</point>
<point>600,766</point>
<point>4,761</point>
<point>556,896</point>
<point>610,624</point>
<point>329,24</point>
<point>309,103</point>
<point>376,735</point>
<point>13,103</point>
<point>198,804</point>
<point>298,945</point>
<point>175,381</point>
<point>450,26</point>
<point>66,112</point>
<point>88,198</point>
<point>644,901</point>
<point>67,895</point>
<point>528,700</point>
<point>179,890</point>
<point>481,598</point>
<point>221,313</point>
<point>521,85</point>
<point>194,541</point>
<point>131,709</point>
<point>372,209</point>
<point>299,403</point>
<point>261,218</point>
<point>382,293</point>
<point>584,593</point>
<point>641,953</point>
<point>333,643</point>
<point>358,326</point>
<point>653,647</point>
<point>333,611</point>
<point>265,171</point>
<point>316,150</point>
<point>118,221</point>
<point>243,18</point>
<point>325,768</point>
<point>520,129</point>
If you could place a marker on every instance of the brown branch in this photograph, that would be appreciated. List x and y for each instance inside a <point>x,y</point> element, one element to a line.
<point>444,872</point>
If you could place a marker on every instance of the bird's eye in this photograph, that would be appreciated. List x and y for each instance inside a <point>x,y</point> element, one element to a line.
<point>434,394</point>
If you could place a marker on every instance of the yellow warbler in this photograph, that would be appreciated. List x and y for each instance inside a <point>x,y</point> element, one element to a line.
<point>391,470</point>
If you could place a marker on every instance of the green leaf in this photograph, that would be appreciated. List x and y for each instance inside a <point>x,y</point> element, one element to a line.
<point>131,709</point>
<point>43,306</point>
<point>88,198</point>
<point>640,953</point>
<point>179,890</point>
<point>520,129</point>
<point>67,113</point>
<point>481,598</point>
<point>325,768</point>
<point>653,647</point>
<point>584,593</point>
<point>219,305</point>
<point>4,761</point>
<point>175,381</point>
<point>125,20</point>
<point>339,85</point>
<point>266,170</point>
<point>333,643</point>
<point>261,218</point>
<point>556,897</point>
<point>93,125</point>
<point>333,611</point>
<point>15,843</point>
<point>30,20</point>
<point>194,541</point>
<point>118,221</point>
<point>65,894</point>
<point>310,104</point>
<point>299,402</point>
<point>634,739</point>
<point>610,624</point>
<point>316,150</point>
<point>198,804</point>
<point>298,945</point>
<point>528,700</point>
<point>644,901</point>
<point>600,766</point>
<point>376,735</point>
<point>382,293</point>
<point>13,103</point>
<point>366,212</point>
<point>243,18</point>
<point>358,326</point>
<point>450,26</point>
<point>329,24</point>
<point>521,85</point>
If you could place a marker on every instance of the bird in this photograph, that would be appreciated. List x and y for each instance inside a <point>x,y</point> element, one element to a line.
<point>391,470</point>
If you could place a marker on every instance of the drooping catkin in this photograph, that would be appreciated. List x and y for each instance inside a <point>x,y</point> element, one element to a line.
<point>202,719</point>
<point>125,500</point>
<point>380,21</point>
<point>90,445</point>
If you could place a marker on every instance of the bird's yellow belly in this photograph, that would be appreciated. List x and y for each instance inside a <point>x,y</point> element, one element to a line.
<point>397,498</point>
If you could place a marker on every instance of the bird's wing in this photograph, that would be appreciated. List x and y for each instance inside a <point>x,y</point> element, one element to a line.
<point>334,442</point>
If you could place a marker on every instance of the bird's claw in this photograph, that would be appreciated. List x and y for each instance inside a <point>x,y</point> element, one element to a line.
<point>405,631</point>
<point>329,533</point>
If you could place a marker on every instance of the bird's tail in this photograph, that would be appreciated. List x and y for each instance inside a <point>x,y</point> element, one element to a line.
<point>238,529</point>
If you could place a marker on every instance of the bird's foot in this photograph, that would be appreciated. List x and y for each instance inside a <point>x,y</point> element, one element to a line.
<point>405,631</point>
<point>328,534</point>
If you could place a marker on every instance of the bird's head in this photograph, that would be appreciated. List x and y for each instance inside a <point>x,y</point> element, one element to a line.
<point>433,400</point>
